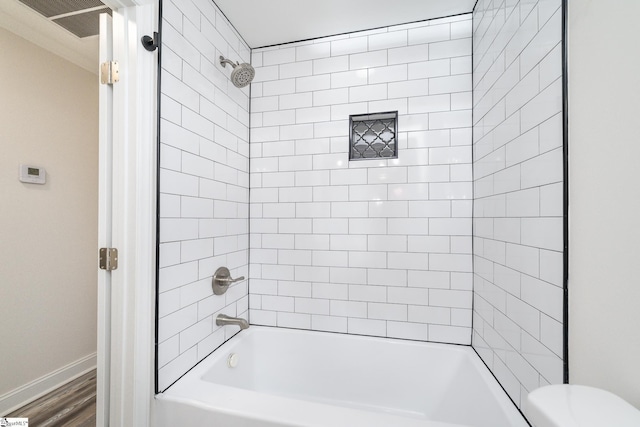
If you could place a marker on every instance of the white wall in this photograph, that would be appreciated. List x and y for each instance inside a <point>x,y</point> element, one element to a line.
<point>374,247</point>
<point>518,203</point>
<point>604,213</point>
<point>204,184</point>
<point>48,233</point>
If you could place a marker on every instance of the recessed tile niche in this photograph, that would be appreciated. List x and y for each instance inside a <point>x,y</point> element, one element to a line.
<point>373,136</point>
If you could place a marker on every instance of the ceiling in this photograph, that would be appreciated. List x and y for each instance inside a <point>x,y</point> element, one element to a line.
<point>31,25</point>
<point>260,22</point>
<point>269,22</point>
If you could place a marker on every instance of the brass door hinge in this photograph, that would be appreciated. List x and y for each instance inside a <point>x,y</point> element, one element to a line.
<point>108,259</point>
<point>109,72</point>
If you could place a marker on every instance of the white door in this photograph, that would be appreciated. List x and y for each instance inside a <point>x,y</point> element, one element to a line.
<point>104,224</point>
<point>127,217</point>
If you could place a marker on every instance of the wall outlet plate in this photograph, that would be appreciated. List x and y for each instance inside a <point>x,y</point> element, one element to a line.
<point>32,174</point>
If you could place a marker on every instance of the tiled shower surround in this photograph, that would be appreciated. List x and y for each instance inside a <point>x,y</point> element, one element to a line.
<point>378,246</point>
<point>204,184</point>
<point>518,192</point>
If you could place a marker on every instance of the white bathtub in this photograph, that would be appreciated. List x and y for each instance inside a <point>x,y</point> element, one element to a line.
<point>289,377</point>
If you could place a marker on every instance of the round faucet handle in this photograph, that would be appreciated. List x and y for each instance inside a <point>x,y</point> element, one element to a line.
<point>222,279</point>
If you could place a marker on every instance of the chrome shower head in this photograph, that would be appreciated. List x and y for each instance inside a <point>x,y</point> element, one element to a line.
<point>242,74</point>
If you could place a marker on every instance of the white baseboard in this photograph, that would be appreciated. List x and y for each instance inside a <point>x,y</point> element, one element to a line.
<point>31,391</point>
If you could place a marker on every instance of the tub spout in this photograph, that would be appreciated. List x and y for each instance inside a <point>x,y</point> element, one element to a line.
<point>223,320</point>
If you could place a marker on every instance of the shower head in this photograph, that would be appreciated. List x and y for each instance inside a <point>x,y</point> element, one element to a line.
<point>242,74</point>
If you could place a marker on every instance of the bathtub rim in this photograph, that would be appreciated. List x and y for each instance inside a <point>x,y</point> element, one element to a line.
<point>204,365</point>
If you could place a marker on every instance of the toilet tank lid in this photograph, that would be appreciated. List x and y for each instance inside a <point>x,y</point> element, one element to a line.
<point>571,405</point>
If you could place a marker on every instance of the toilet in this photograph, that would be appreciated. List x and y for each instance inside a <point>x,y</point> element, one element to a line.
<point>570,405</point>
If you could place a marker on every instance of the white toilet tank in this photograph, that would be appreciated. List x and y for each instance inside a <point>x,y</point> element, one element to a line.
<point>578,406</point>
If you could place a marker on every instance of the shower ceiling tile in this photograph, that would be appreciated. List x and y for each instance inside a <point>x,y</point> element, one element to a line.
<point>83,24</point>
<point>51,8</point>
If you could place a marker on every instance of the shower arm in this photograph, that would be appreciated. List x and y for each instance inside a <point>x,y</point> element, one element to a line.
<point>224,61</point>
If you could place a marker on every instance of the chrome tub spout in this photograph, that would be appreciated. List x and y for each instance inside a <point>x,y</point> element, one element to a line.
<point>223,320</point>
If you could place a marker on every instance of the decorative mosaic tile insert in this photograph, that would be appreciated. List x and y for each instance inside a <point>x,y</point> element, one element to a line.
<point>373,136</point>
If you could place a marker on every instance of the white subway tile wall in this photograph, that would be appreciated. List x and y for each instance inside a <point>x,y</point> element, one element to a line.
<point>376,247</point>
<point>204,183</point>
<point>518,192</point>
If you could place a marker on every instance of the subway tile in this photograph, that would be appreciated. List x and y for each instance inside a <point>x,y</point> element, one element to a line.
<point>347,46</point>
<point>367,259</point>
<point>170,206</point>
<point>368,60</point>
<point>408,261</point>
<point>450,334</point>
<point>358,221</point>
<point>448,120</point>
<point>451,262</point>
<point>388,74</point>
<point>330,259</point>
<point>313,114</point>
<point>450,84</point>
<point>330,225</point>
<point>461,65</point>
<point>398,104</point>
<point>406,330</point>
<point>276,118</point>
<point>328,323</point>
<point>267,103</point>
<point>367,192</point>
<point>414,296</point>
<point>408,88</point>
<point>294,320</point>
<point>428,69</point>
<point>551,134</point>
<point>354,276</point>
<point>544,169</point>
<point>297,100</point>
<point>450,49</point>
<point>367,293</point>
<point>545,233</point>
<point>403,55</point>
<point>386,209</point>
<point>332,96</point>
<point>429,34</point>
<point>312,241</point>
<point>172,230</point>
<point>331,65</point>
<point>278,56</point>
<point>279,87</point>
<point>312,273</point>
<point>349,309</point>
<point>349,78</point>
<point>388,40</point>
<point>337,128</point>
<point>431,244</point>
<point>348,242</point>
<point>386,277</point>
<point>429,279</point>
<point>367,327</point>
<point>545,105</point>
<point>431,315</point>
<point>429,104</point>
<point>387,311</point>
<point>313,83</point>
<point>296,69</point>
<point>313,51</point>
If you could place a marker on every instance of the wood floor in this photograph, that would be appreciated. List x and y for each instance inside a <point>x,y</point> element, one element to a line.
<point>73,404</point>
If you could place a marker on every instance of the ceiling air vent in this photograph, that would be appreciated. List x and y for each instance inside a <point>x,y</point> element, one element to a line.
<point>80,17</point>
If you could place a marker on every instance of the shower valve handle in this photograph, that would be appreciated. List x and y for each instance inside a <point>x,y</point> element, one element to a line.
<point>222,279</point>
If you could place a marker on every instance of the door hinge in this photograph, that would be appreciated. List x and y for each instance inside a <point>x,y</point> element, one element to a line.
<point>108,259</point>
<point>109,72</point>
